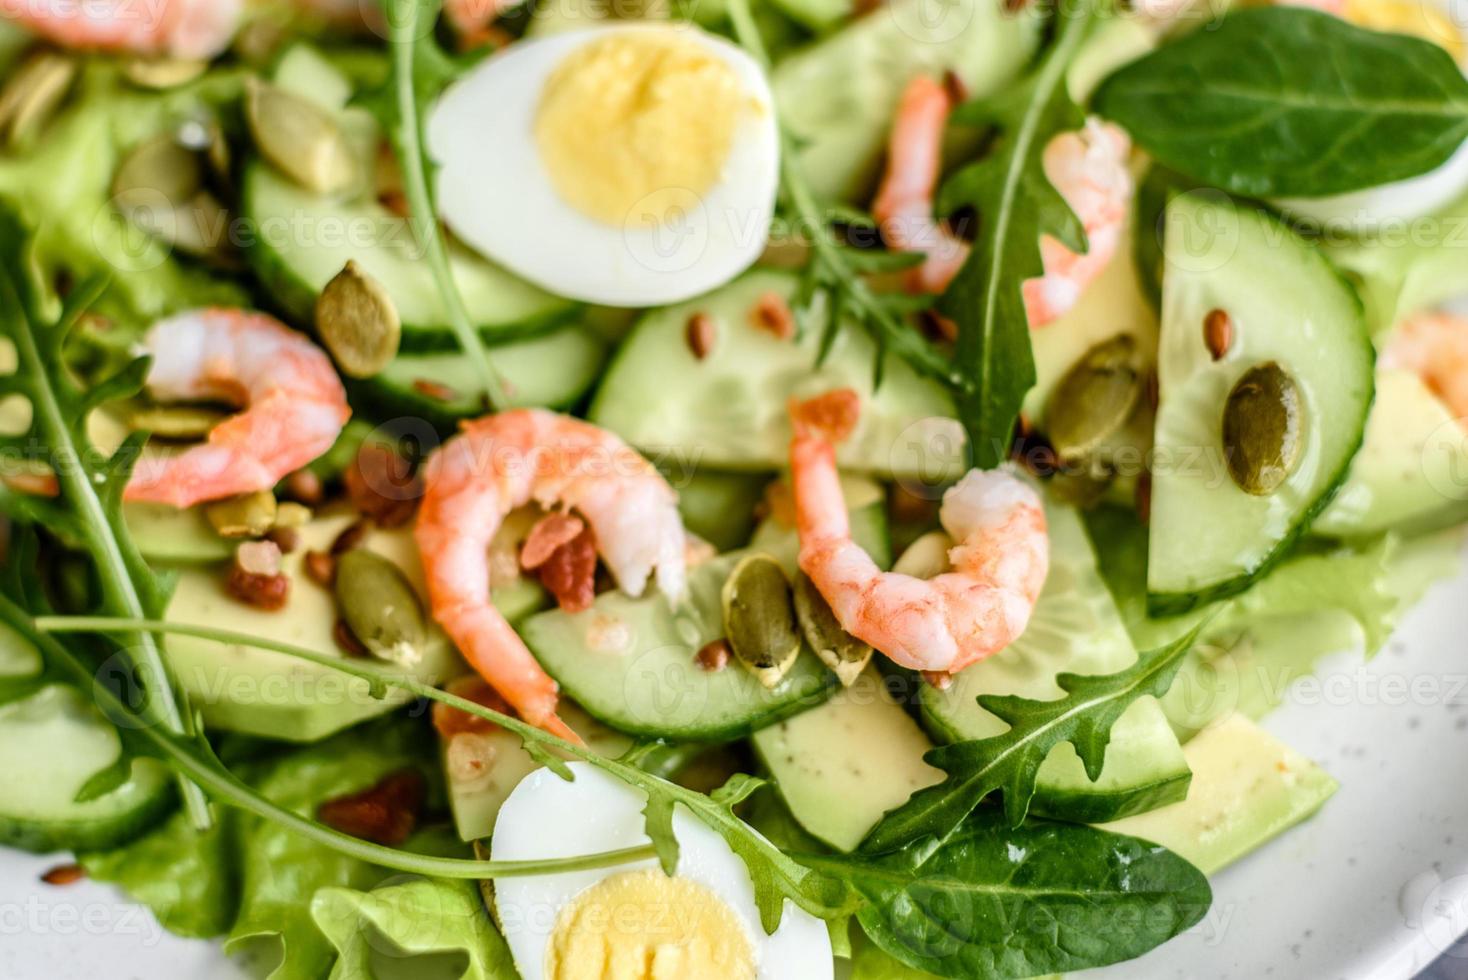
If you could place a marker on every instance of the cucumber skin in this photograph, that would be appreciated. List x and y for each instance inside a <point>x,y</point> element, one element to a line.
<point>1084,807</point>
<point>1176,603</point>
<point>297,300</point>
<point>98,834</point>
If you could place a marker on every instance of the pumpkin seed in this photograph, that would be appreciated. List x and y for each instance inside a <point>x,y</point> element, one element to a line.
<point>258,41</point>
<point>381,606</point>
<point>843,653</point>
<point>200,227</point>
<point>156,171</point>
<point>182,423</point>
<point>300,138</point>
<point>1263,429</point>
<point>247,516</point>
<point>358,322</point>
<point>30,98</point>
<point>289,514</point>
<point>1095,397</point>
<point>160,74</point>
<point>759,619</point>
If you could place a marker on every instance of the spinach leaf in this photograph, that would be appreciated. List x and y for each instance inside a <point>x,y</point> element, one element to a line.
<point>1282,101</point>
<point>1010,762</point>
<point>997,901</point>
<point>1016,205</point>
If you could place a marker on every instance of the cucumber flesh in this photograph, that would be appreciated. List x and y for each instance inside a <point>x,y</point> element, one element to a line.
<point>630,663</point>
<point>303,239</point>
<point>51,743</point>
<point>718,507</point>
<point>728,410</point>
<point>1287,305</point>
<point>1075,628</point>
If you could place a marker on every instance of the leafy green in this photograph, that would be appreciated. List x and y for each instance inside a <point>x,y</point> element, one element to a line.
<point>1009,763</point>
<point>408,928</point>
<point>1290,101</point>
<point>997,901</point>
<point>1016,204</point>
<point>420,71</point>
<point>88,508</point>
<point>832,287</point>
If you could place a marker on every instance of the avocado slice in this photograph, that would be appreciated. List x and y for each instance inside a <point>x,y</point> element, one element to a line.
<point>842,765</point>
<point>1248,788</point>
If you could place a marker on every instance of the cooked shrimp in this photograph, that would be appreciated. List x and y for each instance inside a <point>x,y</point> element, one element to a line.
<point>938,625</point>
<point>904,203</point>
<point>506,461</point>
<point>473,20</point>
<point>294,404</point>
<point>1435,347</point>
<point>1087,167</point>
<point>177,28</point>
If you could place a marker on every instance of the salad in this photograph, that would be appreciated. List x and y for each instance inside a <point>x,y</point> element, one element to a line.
<point>753,488</point>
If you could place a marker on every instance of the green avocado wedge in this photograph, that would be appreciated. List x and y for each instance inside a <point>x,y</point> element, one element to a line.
<point>1278,387</point>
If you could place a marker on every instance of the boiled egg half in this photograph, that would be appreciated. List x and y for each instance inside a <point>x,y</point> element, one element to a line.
<point>1373,208</point>
<point>629,165</point>
<point>634,921</point>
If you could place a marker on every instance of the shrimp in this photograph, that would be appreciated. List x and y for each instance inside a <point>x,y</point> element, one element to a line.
<point>1434,346</point>
<point>295,404</point>
<point>1088,168</point>
<point>505,461</point>
<point>190,29</point>
<point>938,625</point>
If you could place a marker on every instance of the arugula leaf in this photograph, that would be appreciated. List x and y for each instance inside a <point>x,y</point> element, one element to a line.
<point>1016,204</point>
<point>89,506</point>
<point>1280,101</point>
<point>421,70</point>
<point>1010,762</point>
<point>997,901</point>
<point>832,288</point>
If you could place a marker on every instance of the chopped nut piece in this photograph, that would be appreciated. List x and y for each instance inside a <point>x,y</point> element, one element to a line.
<point>320,568</point>
<point>305,486</point>
<point>351,538</point>
<point>451,721</point>
<point>385,813</point>
<point>255,577</point>
<point>347,640</point>
<point>287,539</point>
<point>772,314</point>
<point>833,415</point>
<point>714,656</point>
<point>570,573</point>
<point>702,333</point>
<point>382,485</point>
<point>549,533</point>
<point>436,390</point>
<point>1218,333</point>
<point>64,874</point>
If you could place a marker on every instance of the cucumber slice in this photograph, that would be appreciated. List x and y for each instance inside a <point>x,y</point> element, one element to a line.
<point>867,504</point>
<point>1075,628</point>
<point>729,409</point>
<point>551,371</point>
<point>174,537</point>
<point>651,686</point>
<point>51,744</point>
<point>303,240</point>
<point>718,507</point>
<point>1287,305</point>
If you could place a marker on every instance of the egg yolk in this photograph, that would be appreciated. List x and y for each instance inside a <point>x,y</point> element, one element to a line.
<point>635,127</point>
<point>643,925</point>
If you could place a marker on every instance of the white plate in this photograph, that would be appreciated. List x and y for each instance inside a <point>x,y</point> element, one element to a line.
<point>1375,886</point>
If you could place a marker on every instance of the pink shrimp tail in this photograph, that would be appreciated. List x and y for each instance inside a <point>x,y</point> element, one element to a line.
<point>904,203</point>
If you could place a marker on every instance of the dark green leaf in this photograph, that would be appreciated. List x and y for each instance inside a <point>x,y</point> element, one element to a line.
<point>659,814</point>
<point>1016,204</point>
<point>1281,101</point>
<point>997,901</point>
<point>1009,763</point>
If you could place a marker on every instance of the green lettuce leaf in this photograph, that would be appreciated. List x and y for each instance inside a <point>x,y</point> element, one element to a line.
<point>1324,599</point>
<point>411,928</point>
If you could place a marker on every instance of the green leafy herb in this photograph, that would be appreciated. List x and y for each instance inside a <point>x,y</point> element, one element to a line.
<point>1290,101</point>
<point>833,290</point>
<point>776,876</point>
<point>1009,763</point>
<point>997,901</point>
<point>420,70</point>
<point>88,509</point>
<point>1016,204</point>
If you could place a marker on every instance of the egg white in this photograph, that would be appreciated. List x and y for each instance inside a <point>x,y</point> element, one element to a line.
<point>1374,208</point>
<point>547,817</point>
<point>495,193</point>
